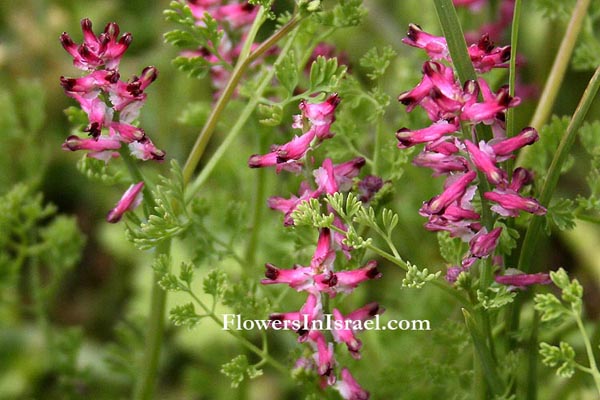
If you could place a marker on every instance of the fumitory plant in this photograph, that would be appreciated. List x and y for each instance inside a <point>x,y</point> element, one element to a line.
<point>300,199</point>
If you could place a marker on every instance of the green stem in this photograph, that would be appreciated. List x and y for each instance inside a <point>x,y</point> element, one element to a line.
<point>512,74</point>
<point>532,360</point>
<point>239,70</point>
<point>146,384</point>
<point>234,132</point>
<point>262,353</point>
<point>561,62</point>
<point>533,232</point>
<point>593,370</point>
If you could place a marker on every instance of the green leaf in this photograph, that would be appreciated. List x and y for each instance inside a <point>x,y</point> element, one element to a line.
<point>572,291</point>
<point>287,72</point>
<point>451,249</point>
<point>184,315</point>
<point>325,74</point>
<point>589,134</point>
<point>243,298</point>
<point>560,215</point>
<point>238,368</point>
<point>416,278</point>
<point>550,136</point>
<point>346,13</point>
<point>309,213</point>
<point>186,273</point>
<point>495,296</point>
<point>375,63</point>
<point>62,242</point>
<point>215,283</point>
<point>586,55</point>
<point>390,220</point>
<point>196,67</point>
<point>562,356</point>
<point>169,217</point>
<point>550,307</point>
<point>270,115</point>
<point>99,171</point>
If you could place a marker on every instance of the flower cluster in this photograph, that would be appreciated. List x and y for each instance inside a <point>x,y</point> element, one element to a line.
<point>495,29</point>
<point>103,96</point>
<point>234,19</point>
<point>112,106</point>
<point>450,106</point>
<point>320,278</point>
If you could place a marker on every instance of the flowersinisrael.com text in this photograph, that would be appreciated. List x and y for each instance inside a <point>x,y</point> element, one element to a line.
<point>328,323</point>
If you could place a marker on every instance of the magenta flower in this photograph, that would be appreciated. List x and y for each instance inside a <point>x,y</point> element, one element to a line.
<point>323,356</point>
<point>483,243</point>
<point>452,193</point>
<point>486,163</point>
<point>493,106</point>
<point>350,389</point>
<point>435,46</point>
<point>97,51</point>
<point>506,147</point>
<point>520,280</point>
<point>347,281</point>
<point>343,332</point>
<point>407,138</point>
<point>298,278</point>
<point>509,203</point>
<point>130,200</point>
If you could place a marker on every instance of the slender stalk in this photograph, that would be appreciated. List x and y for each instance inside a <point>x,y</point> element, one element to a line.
<point>561,62</point>
<point>234,132</point>
<point>145,386</point>
<point>512,71</point>
<point>531,386</point>
<point>239,70</point>
<point>263,353</point>
<point>533,232</point>
<point>593,370</point>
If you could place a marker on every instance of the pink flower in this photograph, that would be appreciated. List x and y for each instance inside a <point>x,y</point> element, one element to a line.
<point>435,46</point>
<point>407,138</point>
<point>324,356</point>
<point>506,147</point>
<point>100,144</point>
<point>486,56</point>
<point>347,281</point>
<point>298,278</point>
<point>350,389</point>
<point>324,255</point>
<point>144,149</point>
<point>130,200</point>
<point>345,333</point>
<point>454,191</point>
<point>483,243</point>
<point>520,280</point>
<point>486,163</point>
<point>509,203</point>
<point>97,51</point>
<point>492,107</point>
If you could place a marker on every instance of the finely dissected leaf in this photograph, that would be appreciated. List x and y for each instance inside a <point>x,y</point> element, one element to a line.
<point>376,63</point>
<point>451,249</point>
<point>562,356</point>
<point>550,307</point>
<point>243,298</point>
<point>550,136</point>
<point>287,72</point>
<point>169,217</point>
<point>196,67</point>
<point>495,296</point>
<point>586,55</point>
<point>560,215</point>
<point>122,355</point>
<point>215,283</point>
<point>186,273</point>
<point>62,242</point>
<point>238,368</point>
<point>184,315</point>
<point>589,134</point>
<point>346,13</point>
<point>325,75</point>
<point>416,278</point>
<point>390,220</point>
<point>309,213</point>
<point>572,291</point>
<point>99,171</point>
<point>271,115</point>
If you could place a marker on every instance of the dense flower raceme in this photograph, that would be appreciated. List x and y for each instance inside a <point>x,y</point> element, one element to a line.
<point>111,105</point>
<point>320,278</point>
<point>450,105</point>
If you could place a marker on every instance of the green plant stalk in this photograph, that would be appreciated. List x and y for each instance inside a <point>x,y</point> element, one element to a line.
<point>262,353</point>
<point>146,384</point>
<point>234,132</point>
<point>531,388</point>
<point>239,70</point>
<point>534,230</point>
<point>593,370</point>
<point>512,71</point>
<point>559,67</point>
<point>464,68</point>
